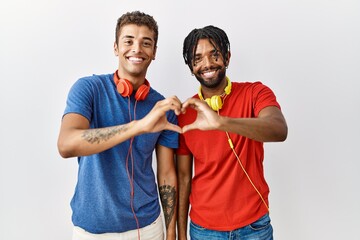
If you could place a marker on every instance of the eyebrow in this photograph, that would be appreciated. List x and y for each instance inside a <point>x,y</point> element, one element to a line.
<point>128,36</point>
<point>211,52</point>
<point>132,37</point>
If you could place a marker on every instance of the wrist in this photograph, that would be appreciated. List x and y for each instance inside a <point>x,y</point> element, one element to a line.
<point>137,127</point>
<point>221,123</point>
<point>182,236</point>
<point>170,235</point>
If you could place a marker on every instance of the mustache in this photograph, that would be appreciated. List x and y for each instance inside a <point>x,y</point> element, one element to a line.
<point>207,69</point>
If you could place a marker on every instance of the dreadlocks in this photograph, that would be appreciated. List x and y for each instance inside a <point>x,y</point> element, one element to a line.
<point>216,36</point>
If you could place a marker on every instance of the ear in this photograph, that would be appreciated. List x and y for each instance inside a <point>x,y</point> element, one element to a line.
<point>116,50</point>
<point>155,48</point>
<point>228,59</point>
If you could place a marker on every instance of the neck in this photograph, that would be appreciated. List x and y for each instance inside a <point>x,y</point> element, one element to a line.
<point>219,90</point>
<point>136,80</point>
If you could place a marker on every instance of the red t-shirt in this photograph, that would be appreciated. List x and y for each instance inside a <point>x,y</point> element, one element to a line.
<point>222,198</point>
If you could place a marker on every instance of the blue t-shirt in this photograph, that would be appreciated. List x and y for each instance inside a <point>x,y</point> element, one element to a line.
<point>101,202</point>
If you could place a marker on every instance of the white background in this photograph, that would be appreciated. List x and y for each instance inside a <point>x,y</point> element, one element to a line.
<point>306,51</point>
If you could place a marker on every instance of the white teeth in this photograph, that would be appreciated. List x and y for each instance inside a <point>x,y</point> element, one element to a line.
<point>209,74</point>
<point>135,59</point>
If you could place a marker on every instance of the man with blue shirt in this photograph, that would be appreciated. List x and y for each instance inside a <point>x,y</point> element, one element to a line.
<point>112,123</point>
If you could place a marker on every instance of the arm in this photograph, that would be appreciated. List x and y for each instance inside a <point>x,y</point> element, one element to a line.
<point>167,181</point>
<point>269,126</point>
<point>76,139</point>
<point>184,172</point>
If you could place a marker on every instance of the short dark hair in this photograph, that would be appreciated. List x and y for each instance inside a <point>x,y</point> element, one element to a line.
<point>138,18</point>
<point>216,36</point>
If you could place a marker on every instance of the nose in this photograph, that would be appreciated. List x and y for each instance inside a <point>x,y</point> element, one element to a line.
<point>136,48</point>
<point>208,61</point>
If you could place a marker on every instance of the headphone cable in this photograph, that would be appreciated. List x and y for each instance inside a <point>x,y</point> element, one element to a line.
<point>244,170</point>
<point>241,165</point>
<point>131,178</point>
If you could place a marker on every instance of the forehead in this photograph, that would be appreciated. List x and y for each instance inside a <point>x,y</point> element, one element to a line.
<point>136,31</point>
<point>204,46</point>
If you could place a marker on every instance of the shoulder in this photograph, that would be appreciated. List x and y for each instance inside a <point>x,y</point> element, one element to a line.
<point>96,79</point>
<point>247,84</point>
<point>93,80</point>
<point>154,95</point>
<point>250,87</point>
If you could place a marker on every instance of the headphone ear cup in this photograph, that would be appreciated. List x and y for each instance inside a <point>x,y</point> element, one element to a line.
<point>124,87</point>
<point>142,92</point>
<point>216,102</point>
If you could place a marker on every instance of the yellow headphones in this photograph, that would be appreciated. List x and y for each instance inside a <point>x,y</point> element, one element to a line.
<point>215,102</point>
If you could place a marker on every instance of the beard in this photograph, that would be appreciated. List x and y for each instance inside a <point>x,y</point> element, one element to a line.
<point>212,82</point>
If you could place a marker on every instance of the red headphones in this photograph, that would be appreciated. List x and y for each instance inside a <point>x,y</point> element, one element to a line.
<point>125,88</point>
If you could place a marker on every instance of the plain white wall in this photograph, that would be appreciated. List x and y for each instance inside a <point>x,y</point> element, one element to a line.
<point>306,51</point>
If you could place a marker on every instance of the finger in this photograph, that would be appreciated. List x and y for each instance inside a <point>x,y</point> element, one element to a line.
<point>175,98</point>
<point>173,127</point>
<point>189,127</point>
<point>192,102</point>
<point>175,105</point>
<point>169,104</point>
<point>185,105</point>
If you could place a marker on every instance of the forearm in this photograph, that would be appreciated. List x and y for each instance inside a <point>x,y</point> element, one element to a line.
<point>168,195</point>
<point>264,129</point>
<point>184,165</point>
<point>82,142</point>
<point>183,206</point>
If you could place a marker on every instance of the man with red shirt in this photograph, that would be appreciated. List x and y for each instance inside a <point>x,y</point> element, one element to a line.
<point>224,128</point>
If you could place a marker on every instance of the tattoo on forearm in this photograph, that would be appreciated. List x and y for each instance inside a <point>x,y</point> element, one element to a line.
<point>168,201</point>
<point>101,135</point>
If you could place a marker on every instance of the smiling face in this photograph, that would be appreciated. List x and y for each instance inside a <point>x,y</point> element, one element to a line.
<point>209,65</point>
<point>135,49</point>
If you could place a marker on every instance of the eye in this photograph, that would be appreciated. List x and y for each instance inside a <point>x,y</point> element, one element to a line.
<point>147,44</point>
<point>215,55</point>
<point>197,59</point>
<point>128,41</point>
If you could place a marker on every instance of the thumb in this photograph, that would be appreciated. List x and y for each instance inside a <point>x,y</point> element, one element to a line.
<point>187,128</point>
<point>173,127</point>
